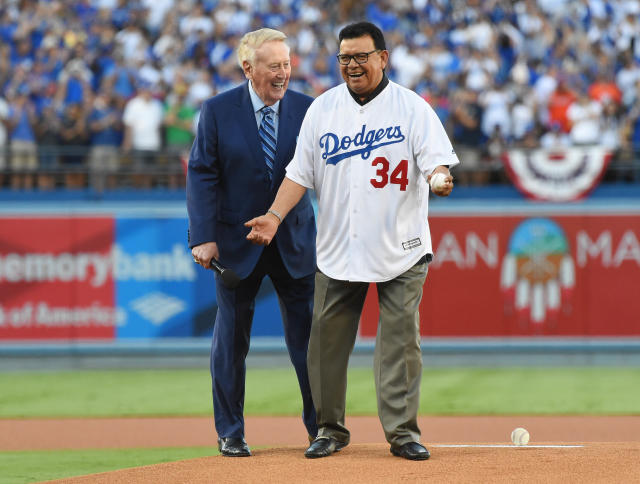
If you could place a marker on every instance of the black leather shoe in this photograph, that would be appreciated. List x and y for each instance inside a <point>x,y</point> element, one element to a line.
<point>233,447</point>
<point>411,451</point>
<point>323,447</point>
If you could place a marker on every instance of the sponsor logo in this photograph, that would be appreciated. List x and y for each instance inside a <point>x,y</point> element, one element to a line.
<point>334,149</point>
<point>538,272</point>
<point>96,268</point>
<point>158,307</point>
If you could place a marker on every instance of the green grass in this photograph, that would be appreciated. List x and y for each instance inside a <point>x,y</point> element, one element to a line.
<point>459,391</point>
<point>35,466</point>
<point>477,391</point>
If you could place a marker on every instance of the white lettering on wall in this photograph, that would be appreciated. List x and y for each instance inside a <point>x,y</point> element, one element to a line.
<point>42,314</point>
<point>95,268</point>
<point>450,250</point>
<point>602,249</point>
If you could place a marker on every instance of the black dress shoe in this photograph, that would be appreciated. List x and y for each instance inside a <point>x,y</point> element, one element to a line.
<point>233,447</point>
<point>411,451</point>
<point>323,447</point>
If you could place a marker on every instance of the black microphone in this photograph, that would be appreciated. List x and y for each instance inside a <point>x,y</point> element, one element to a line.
<point>229,277</point>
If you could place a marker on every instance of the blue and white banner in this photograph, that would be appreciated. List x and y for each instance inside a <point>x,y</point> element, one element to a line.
<point>161,293</point>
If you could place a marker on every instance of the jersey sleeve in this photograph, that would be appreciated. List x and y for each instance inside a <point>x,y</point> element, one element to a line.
<point>432,146</point>
<point>300,168</point>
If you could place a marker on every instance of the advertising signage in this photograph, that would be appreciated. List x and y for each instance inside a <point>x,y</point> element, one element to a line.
<point>56,279</point>
<point>570,275</point>
<point>494,275</point>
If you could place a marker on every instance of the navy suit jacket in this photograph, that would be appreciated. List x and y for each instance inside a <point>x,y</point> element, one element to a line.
<point>228,184</point>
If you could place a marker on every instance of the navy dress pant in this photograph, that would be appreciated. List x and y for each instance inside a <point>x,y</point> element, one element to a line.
<point>231,336</point>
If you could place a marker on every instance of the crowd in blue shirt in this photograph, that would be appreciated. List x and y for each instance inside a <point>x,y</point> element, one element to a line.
<point>498,73</point>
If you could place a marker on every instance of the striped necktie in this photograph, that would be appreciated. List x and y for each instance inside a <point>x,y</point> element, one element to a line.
<point>267,134</point>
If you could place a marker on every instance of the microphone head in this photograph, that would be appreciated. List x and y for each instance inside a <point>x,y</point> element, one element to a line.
<point>230,278</point>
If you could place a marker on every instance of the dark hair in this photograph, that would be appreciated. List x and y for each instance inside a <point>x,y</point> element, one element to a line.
<point>360,29</point>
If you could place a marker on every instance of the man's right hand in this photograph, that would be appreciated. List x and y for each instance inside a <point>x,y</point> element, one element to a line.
<point>203,253</point>
<point>263,229</point>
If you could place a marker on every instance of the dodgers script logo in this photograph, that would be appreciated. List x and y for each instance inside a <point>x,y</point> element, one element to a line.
<point>335,149</point>
<point>538,272</point>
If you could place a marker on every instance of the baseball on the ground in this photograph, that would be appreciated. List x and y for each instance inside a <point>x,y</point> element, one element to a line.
<point>520,436</point>
<point>437,181</point>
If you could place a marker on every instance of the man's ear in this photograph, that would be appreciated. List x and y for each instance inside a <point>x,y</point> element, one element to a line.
<point>247,69</point>
<point>384,55</point>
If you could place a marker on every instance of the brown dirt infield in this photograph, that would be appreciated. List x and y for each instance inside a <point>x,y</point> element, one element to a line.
<point>610,452</point>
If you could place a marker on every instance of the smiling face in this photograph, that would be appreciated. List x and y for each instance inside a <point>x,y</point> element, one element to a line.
<point>270,71</point>
<point>363,78</point>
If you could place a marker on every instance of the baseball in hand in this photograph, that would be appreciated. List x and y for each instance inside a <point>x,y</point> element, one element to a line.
<point>520,436</point>
<point>437,181</point>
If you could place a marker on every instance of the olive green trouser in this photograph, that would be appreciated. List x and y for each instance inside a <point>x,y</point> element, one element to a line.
<point>397,356</point>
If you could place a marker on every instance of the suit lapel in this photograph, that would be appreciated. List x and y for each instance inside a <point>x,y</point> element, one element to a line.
<point>284,132</point>
<point>248,125</point>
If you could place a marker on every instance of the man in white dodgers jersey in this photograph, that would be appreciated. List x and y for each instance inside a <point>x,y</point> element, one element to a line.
<point>368,148</point>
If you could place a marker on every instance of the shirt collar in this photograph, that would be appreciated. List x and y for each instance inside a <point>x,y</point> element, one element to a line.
<point>383,83</point>
<point>258,104</point>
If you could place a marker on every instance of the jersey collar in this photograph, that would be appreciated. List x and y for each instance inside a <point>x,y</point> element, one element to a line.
<point>376,91</point>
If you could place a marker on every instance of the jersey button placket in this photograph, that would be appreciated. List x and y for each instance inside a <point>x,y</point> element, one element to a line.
<point>353,219</point>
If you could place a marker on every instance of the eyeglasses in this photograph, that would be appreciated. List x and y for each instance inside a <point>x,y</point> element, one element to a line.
<point>360,57</point>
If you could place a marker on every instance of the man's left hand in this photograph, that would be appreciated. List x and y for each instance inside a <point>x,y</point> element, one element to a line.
<point>263,229</point>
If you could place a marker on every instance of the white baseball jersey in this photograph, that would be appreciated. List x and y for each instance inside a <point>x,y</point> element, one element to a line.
<point>368,165</point>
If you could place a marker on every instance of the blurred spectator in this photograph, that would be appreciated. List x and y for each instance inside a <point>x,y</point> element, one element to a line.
<point>320,76</point>
<point>297,80</point>
<point>583,116</point>
<point>48,136</point>
<point>559,101</point>
<point>522,118</point>
<point>123,79</point>
<point>605,89</point>
<point>610,126</point>
<point>156,13</point>
<point>74,139</point>
<point>132,42</point>
<point>627,77</point>
<point>105,129</point>
<point>496,103</point>
<point>531,140</point>
<point>178,122</point>
<point>196,21</point>
<point>4,138</point>
<point>22,119</point>
<point>496,146</point>
<point>74,83</point>
<point>555,138</point>
<point>5,64</point>
<point>525,59</point>
<point>142,118</point>
<point>466,118</point>
<point>201,88</point>
<point>631,140</point>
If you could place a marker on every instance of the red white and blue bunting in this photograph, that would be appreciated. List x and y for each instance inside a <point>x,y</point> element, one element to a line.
<point>557,175</point>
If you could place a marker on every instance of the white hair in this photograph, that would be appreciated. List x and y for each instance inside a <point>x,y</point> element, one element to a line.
<point>252,41</point>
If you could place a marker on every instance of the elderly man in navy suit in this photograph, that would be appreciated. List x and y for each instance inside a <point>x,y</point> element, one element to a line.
<point>246,137</point>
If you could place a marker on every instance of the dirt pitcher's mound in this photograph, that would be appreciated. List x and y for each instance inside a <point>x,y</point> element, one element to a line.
<point>103,433</point>
<point>366,463</point>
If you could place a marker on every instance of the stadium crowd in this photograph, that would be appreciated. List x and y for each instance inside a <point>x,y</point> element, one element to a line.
<point>92,88</point>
